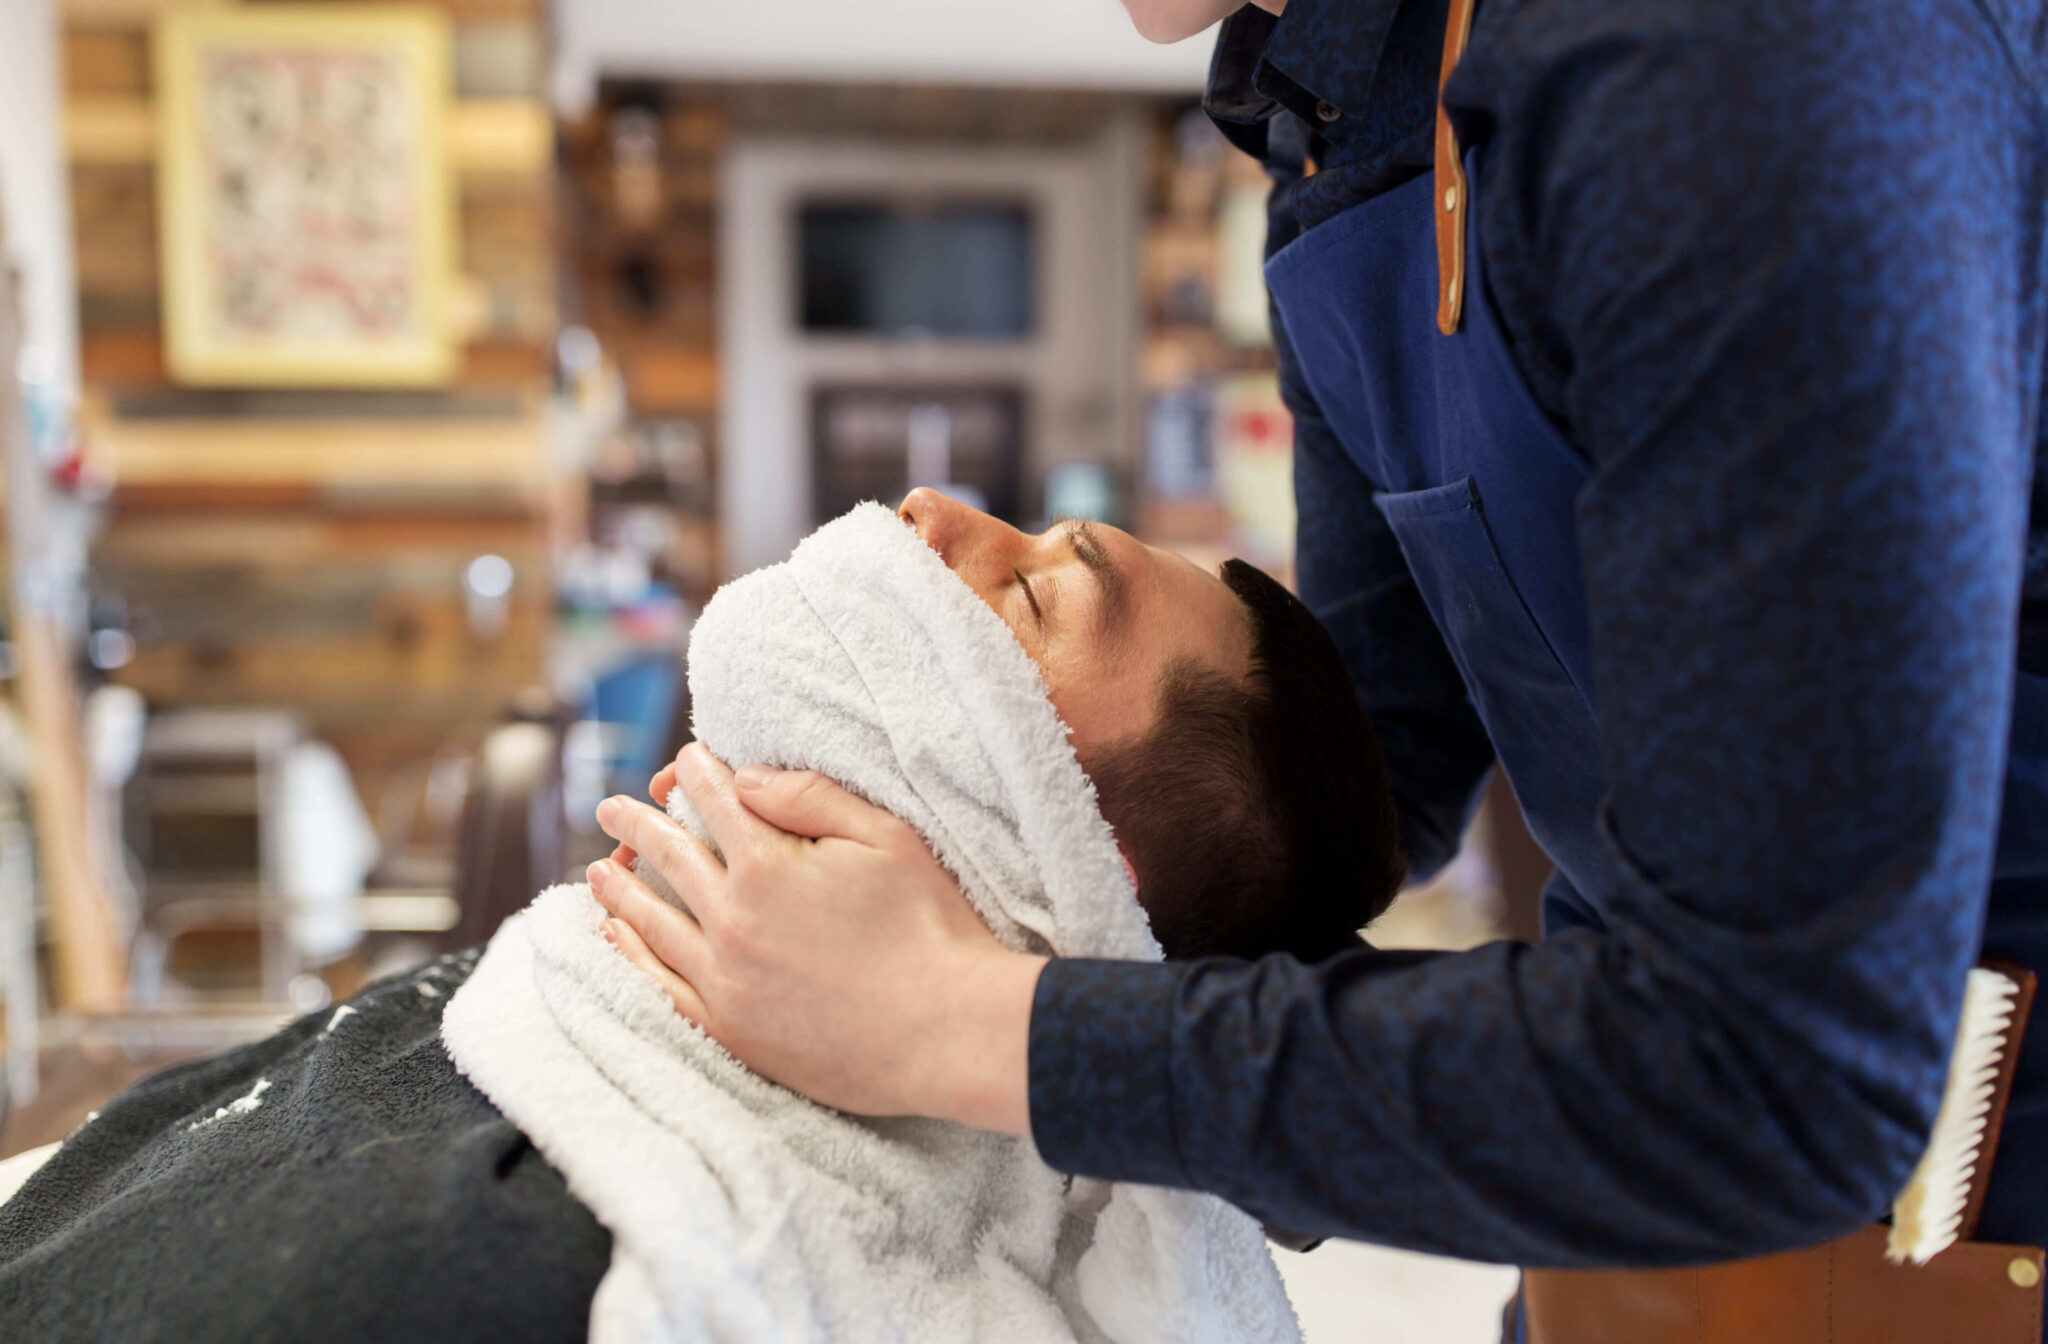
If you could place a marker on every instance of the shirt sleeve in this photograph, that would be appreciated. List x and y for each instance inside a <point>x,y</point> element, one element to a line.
<point>1786,259</point>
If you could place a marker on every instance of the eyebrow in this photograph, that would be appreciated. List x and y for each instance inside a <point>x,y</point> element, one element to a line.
<point>1109,580</point>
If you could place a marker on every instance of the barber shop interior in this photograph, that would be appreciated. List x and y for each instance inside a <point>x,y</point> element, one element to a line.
<point>554,548</point>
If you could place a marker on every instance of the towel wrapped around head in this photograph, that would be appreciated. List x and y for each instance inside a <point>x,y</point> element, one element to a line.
<point>741,1211</point>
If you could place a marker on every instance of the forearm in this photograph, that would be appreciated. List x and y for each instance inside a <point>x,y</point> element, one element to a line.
<point>1578,1103</point>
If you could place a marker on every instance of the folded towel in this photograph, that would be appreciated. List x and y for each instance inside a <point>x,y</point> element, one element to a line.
<point>738,1209</point>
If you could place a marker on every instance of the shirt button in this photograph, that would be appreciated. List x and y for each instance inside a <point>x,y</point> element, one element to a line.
<point>1327,110</point>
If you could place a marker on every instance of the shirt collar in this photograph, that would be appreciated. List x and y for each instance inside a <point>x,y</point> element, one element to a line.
<point>1360,75</point>
<point>1232,99</point>
<point>1321,56</point>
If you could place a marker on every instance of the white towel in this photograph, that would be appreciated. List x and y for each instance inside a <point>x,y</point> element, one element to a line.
<point>740,1211</point>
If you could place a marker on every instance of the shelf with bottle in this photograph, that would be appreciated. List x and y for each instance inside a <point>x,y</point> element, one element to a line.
<point>1217,477</point>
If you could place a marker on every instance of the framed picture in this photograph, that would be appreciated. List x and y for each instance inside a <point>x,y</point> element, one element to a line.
<point>304,196</point>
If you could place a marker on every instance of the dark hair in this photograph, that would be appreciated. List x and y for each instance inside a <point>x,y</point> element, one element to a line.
<point>1257,815</point>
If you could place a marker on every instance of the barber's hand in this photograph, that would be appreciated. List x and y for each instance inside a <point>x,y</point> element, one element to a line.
<point>658,788</point>
<point>830,952</point>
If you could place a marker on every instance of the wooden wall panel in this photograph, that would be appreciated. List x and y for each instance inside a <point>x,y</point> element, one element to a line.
<point>85,14</point>
<point>356,621</point>
<point>106,61</point>
<point>514,363</point>
<point>270,551</point>
<point>666,380</point>
<point>109,130</point>
<point>501,138</point>
<point>121,357</point>
<point>113,209</point>
<point>508,257</point>
<point>454,464</point>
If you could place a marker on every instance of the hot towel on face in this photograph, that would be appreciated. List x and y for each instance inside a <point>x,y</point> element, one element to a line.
<point>740,1211</point>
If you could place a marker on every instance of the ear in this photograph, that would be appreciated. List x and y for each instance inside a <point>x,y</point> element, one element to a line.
<point>1130,870</point>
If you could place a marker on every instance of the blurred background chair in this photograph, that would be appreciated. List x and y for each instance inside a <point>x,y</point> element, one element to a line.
<point>514,835</point>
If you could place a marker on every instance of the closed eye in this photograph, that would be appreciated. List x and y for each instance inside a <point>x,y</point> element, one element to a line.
<point>1031,597</point>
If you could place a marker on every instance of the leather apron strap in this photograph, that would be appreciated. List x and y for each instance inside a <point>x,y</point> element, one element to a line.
<point>1451,194</point>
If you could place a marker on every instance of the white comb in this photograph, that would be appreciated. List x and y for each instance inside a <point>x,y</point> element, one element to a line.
<point>1927,1216</point>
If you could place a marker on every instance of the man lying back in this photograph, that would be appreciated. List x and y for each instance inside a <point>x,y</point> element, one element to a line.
<point>343,1178</point>
<point>1214,716</point>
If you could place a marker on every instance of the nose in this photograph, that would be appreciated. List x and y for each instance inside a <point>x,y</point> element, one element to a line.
<point>936,519</point>
<point>965,538</point>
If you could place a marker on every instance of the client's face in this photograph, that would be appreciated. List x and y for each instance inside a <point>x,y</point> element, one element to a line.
<point>1101,613</point>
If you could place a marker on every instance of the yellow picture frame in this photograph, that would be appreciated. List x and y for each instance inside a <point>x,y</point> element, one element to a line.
<point>305,196</point>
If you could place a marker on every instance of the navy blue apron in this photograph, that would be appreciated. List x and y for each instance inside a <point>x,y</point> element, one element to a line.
<point>1478,485</point>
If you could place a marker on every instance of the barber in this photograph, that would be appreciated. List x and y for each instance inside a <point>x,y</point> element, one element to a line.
<point>1678,457</point>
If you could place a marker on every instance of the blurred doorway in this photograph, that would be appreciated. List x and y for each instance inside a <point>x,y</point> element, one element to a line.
<point>895,313</point>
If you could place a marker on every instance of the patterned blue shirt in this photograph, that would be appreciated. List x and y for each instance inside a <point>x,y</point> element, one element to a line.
<point>1775,267</point>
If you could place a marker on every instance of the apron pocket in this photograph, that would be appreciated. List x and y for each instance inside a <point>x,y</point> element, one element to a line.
<point>1490,630</point>
<point>1542,728</point>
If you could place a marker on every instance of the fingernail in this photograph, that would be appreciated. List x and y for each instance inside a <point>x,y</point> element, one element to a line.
<point>605,931</point>
<point>596,874</point>
<point>753,776</point>
<point>608,811</point>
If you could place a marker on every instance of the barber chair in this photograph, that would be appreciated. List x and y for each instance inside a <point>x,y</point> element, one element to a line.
<point>514,835</point>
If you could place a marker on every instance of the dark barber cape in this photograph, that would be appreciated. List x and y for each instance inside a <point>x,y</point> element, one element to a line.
<point>365,1192</point>
<point>1716,525</point>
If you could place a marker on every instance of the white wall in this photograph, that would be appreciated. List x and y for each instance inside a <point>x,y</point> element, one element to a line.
<point>33,199</point>
<point>1056,42</point>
